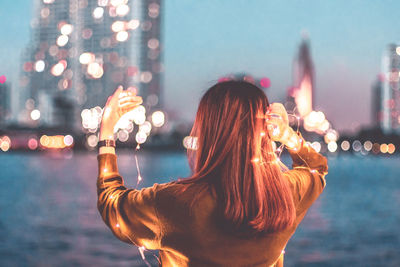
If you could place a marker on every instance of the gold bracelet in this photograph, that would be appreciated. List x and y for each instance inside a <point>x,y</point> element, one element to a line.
<point>106,143</point>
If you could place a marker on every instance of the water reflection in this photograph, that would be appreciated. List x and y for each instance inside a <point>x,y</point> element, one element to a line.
<point>48,214</point>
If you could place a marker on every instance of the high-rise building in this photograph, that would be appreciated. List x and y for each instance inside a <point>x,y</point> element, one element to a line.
<point>151,60</point>
<point>300,100</point>
<point>5,100</point>
<point>82,50</point>
<point>303,80</point>
<point>376,102</point>
<point>390,95</point>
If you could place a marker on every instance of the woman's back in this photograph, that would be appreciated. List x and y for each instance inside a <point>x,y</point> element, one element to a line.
<point>163,217</point>
<point>195,235</point>
<point>237,208</point>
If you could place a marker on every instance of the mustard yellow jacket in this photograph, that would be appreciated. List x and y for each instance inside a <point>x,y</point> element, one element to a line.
<point>160,217</point>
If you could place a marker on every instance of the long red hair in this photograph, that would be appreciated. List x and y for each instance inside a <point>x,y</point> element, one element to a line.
<point>234,154</point>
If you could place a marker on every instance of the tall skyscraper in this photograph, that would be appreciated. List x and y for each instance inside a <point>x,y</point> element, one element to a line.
<point>301,95</point>
<point>376,102</point>
<point>390,95</point>
<point>82,50</point>
<point>5,103</point>
<point>151,60</point>
<point>303,79</point>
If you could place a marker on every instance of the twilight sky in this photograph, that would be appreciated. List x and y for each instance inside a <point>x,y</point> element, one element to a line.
<point>206,39</point>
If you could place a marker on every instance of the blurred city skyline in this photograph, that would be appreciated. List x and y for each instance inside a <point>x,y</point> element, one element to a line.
<point>206,40</point>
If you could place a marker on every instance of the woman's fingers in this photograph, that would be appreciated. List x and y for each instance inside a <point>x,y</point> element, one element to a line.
<point>126,108</point>
<point>132,90</point>
<point>271,116</point>
<point>131,99</point>
<point>117,92</point>
<point>125,94</point>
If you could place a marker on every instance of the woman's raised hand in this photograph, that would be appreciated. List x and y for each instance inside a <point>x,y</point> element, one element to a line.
<point>119,103</point>
<point>277,120</point>
<point>279,129</point>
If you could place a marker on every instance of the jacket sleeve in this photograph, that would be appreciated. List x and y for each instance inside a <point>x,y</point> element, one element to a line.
<point>307,176</point>
<point>130,214</point>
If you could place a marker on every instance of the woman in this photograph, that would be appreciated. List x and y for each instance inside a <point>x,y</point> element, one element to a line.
<point>238,208</point>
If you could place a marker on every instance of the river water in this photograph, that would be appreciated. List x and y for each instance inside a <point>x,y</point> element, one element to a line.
<point>48,214</point>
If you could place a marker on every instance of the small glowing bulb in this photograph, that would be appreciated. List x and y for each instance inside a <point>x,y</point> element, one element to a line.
<point>66,29</point>
<point>139,178</point>
<point>118,26</point>
<point>35,114</point>
<point>39,65</point>
<point>98,12</point>
<point>117,225</point>
<point>122,36</point>
<point>262,133</point>
<point>255,160</point>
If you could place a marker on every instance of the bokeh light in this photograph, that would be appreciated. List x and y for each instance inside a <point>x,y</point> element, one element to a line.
<point>316,146</point>
<point>122,36</point>
<point>5,143</point>
<point>68,140</point>
<point>118,26</point>
<point>153,43</point>
<point>35,114</point>
<point>332,146</point>
<point>98,12</point>
<point>368,145</point>
<point>376,148</point>
<point>145,127</point>
<point>356,145</point>
<point>384,148</point>
<point>146,77</point>
<point>140,137</point>
<point>33,143</point>
<point>62,40</point>
<point>123,135</point>
<point>190,142</point>
<point>66,29</point>
<point>158,118</point>
<point>345,145</point>
<point>95,70</point>
<point>39,65</point>
<point>86,58</point>
<point>59,68</point>
<point>133,24</point>
<point>92,140</point>
<point>391,148</point>
<point>122,10</point>
<point>265,82</point>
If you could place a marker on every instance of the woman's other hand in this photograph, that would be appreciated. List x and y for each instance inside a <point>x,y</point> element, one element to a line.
<point>279,129</point>
<point>278,121</point>
<point>119,103</point>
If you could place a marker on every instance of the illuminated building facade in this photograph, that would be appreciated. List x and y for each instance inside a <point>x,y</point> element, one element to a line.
<point>151,54</point>
<point>390,95</point>
<point>303,80</point>
<point>301,96</point>
<point>82,50</point>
